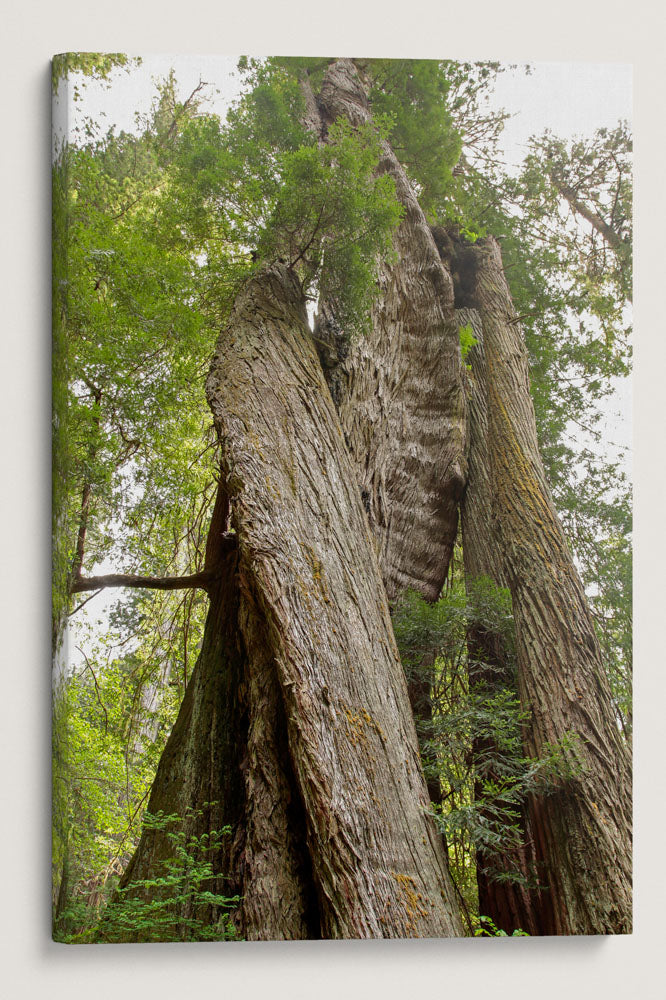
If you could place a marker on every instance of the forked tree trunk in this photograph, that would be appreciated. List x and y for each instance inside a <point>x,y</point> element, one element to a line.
<point>515,904</point>
<point>296,721</point>
<point>399,395</point>
<point>583,830</point>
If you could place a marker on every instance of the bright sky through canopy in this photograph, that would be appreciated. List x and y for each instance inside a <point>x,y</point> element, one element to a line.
<point>569,98</point>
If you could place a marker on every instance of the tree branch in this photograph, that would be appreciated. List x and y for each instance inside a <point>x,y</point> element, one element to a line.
<point>79,606</point>
<point>202,580</point>
<point>611,237</point>
<point>99,697</point>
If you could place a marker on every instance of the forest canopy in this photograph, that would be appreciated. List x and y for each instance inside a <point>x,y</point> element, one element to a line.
<point>330,383</point>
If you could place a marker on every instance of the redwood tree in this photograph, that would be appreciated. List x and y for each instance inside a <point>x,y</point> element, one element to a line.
<point>399,394</point>
<point>583,831</point>
<point>296,722</point>
<point>513,902</point>
<point>343,460</point>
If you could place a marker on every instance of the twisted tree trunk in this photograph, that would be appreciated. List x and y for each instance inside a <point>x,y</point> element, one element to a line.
<point>583,830</point>
<point>296,721</point>
<point>399,389</point>
<point>399,395</point>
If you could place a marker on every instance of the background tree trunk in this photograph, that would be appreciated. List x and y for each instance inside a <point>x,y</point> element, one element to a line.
<point>583,829</point>
<point>518,904</point>
<point>298,708</point>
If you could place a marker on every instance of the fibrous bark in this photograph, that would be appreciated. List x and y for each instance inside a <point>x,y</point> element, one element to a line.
<point>583,830</point>
<point>399,395</point>
<point>516,903</point>
<point>296,721</point>
<point>398,389</point>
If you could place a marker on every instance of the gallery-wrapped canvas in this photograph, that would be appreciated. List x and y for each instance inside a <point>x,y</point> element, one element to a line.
<point>342,522</point>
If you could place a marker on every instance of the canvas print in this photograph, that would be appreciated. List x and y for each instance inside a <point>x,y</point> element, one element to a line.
<point>341,499</point>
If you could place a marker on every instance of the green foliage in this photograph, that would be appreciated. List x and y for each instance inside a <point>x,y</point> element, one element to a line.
<point>83,65</point>
<point>332,209</point>
<point>472,745</point>
<point>110,737</point>
<point>591,179</point>
<point>111,721</point>
<point>597,512</point>
<point>60,433</point>
<point>176,904</point>
<point>60,866</point>
<point>137,345</point>
<point>264,190</point>
<point>487,928</point>
<point>573,299</point>
<point>467,341</point>
<point>412,93</point>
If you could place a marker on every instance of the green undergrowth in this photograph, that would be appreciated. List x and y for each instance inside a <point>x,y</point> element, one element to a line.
<point>176,904</point>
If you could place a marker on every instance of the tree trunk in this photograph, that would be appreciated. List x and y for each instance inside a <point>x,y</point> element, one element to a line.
<point>399,390</point>
<point>583,829</point>
<point>516,904</point>
<point>296,720</point>
<point>399,395</point>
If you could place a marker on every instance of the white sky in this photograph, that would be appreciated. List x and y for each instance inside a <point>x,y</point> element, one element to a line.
<point>568,97</point>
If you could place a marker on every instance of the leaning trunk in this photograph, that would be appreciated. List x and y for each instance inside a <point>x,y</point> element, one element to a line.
<point>296,721</point>
<point>512,902</point>
<point>582,830</point>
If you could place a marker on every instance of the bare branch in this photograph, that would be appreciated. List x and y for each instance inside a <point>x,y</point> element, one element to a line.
<point>202,580</point>
<point>615,241</point>
<point>99,697</point>
<point>79,606</point>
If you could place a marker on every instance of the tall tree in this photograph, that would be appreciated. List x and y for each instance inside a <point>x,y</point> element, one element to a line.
<point>398,389</point>
<point>512,902</point>
<point>296,722</point>
<point>582,833</point>
<point>295,728</point>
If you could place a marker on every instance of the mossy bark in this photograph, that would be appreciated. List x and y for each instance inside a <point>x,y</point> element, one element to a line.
<point>582,831</point>
<point>515,903</point>
<point>399,395</point>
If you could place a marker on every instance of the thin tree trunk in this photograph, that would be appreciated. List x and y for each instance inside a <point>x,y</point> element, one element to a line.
<point>515,904</point>
<point>296,720</point>
<point>612,238</point>
<point>583,829</point>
